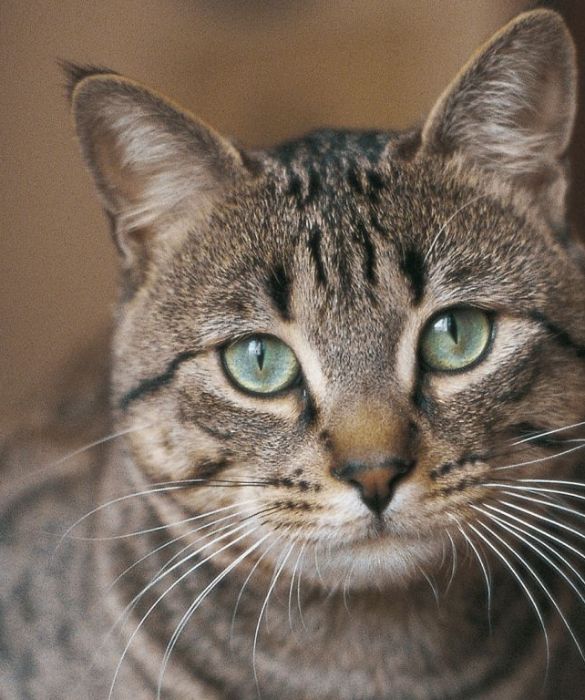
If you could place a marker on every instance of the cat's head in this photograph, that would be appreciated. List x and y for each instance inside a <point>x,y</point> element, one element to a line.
<point>346,336</point>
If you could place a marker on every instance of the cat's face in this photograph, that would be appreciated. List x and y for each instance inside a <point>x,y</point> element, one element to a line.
<point>345,335</point>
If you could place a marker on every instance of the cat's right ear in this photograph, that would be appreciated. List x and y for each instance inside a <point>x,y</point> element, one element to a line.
<point>154,164</point>
<point>511,109</point>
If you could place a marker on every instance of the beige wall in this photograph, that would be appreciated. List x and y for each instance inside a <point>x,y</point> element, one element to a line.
<point>259,71</point>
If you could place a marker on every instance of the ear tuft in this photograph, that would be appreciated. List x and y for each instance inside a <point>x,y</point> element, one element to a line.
<point>76,72</point>
<point>511,109</point>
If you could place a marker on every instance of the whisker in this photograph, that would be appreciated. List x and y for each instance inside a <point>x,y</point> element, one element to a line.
<point>176,539</point>
<point>483,567</point>
<point>263,511</point>
<point>544,533</point>
<point>299,606</point>
<point>554,481</point>
<point>537,578</point>
<point>549,432</point>
<point>522,583</point>
<point>432,585</point>
<point>548,504</point>
<point>550,521</point>
<point>292,583</point>
<point>166,570</point>
<point>535,489</point>
<point>171,587</point>
<point>158,528</point>
<point>347,584</point>
<point>547,546</point>
<point>263,609</point>
<point>96,443</point>
<point>195,604</point>
<point>540,459</point>
<point>247,579</point>
<point>453,563</point>
<point>161,487</point>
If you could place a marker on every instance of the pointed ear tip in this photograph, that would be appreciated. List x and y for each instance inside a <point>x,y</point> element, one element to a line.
<point>543,19</point>
<point>77,73</point>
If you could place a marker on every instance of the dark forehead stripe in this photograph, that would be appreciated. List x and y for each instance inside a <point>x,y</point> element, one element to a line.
<point>314,245</point>
<point>413,266</point>
<point>278,287</point>
<point>375,185</point>
<point>313,163</point>
<point>153,384</point>
<point>370,262</point>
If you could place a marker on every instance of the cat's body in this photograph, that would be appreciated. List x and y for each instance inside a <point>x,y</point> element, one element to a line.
<point>416,313</point>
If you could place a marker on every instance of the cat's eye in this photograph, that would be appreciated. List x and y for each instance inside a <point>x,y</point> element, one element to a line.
<point>261,364</point>
<point>455,339</point>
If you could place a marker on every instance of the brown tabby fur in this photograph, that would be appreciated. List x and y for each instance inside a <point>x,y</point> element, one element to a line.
<point>343,245</point>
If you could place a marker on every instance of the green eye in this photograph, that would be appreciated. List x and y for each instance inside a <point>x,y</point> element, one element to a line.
<point>455,339</point>
<point>261,364</point>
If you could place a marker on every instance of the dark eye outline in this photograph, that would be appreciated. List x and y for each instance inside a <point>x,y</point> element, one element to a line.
<point>491,318</point>
<point>293,384</point>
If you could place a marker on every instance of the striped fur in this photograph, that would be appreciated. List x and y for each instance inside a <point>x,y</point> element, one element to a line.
<point>250,565</point>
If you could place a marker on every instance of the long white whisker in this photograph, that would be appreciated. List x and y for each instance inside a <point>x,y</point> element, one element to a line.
<point>96,443</point>
<point>292,583</point>
<point>547,546</point>
<point>263,609</point>
<point>195,604</point>
<point>540,459</point>
<point>544,533</point>
<point>548,504</point>
<point>432,585</point>
<point>554,481</point>
<point>546,519</point>
<point>536,489</point>
<point>549,432</point>
<point>182,536</point>
<point>484,570</point>
<point>522,583</point>
<point>170,588</point>
<point>162,573</point>
<point>158,528</point>
<point>537,578</point>
<point>453,563</point>
<point>247,579</point>
<point>120,499</point>
<point>299,606</point>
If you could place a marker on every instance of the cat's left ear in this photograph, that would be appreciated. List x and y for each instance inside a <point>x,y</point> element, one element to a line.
<point>511,109</point>
<point>153,163</point>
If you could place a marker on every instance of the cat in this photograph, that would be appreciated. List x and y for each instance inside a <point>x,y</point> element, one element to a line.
<point>339,452</point>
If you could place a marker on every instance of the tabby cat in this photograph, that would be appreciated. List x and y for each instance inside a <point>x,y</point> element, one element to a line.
<point>342,458</point>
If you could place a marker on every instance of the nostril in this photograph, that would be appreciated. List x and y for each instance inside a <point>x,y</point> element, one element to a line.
<point>400,466</point>
<point>376,481</point>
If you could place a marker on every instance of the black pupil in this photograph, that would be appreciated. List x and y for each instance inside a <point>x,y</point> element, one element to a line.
<point>257,349</point>
<point>452,328</point>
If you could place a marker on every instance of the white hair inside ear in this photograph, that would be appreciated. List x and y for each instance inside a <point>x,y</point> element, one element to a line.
<point>512,107</point>
<point>154,164</point>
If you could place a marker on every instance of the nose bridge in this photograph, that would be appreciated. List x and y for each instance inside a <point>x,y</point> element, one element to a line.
<point>369,432</point>
<point>372,451</point>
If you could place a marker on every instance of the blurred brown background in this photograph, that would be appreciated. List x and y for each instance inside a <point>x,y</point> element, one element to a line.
<point>259,71</point>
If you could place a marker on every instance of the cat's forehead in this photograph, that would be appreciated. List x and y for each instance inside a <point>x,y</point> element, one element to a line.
<point>339,214</point>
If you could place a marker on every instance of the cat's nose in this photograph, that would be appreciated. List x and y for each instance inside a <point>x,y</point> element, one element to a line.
<point>374,481</point>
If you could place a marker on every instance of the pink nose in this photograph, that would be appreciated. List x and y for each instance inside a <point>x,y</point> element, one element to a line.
<point>375,482</point>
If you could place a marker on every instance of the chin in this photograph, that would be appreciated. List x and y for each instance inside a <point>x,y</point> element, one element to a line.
<point>375,562</point>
